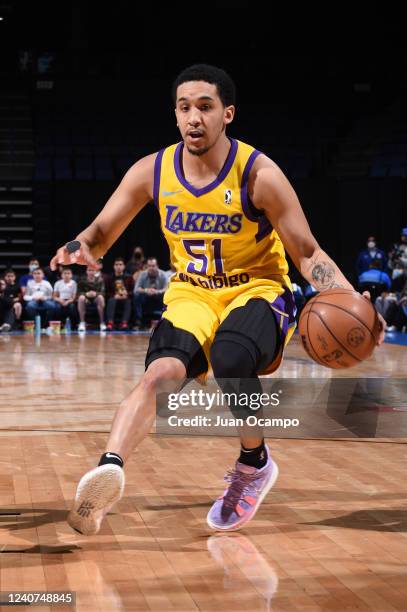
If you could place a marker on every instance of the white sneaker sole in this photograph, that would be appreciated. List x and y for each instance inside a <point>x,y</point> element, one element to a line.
<point>249,517</point>
<point>97,491</point>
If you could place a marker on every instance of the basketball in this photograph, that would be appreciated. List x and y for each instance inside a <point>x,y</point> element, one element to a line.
<point>339,328</point>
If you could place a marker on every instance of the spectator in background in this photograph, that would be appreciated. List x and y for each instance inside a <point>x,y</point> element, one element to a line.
<point>398,261</point>
<point>371,258</point>
<point>33,264</point>
<point>170,273</point>
<point>5,308</point>
<point>64,296</point>
<point>149,292</point>
<point>99,274</point>
<point>395,310</point>
<point>38,298</point>
<point>399,277</point>
<point>7,316</point>
<point>119,289</point>
<point>13,292</point>
<point>136,263</point>
<point>383,303</point>
<point>398,254</point>
<point>91,292</point>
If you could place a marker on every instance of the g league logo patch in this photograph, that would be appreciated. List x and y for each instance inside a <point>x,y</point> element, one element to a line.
<point>228,196</point>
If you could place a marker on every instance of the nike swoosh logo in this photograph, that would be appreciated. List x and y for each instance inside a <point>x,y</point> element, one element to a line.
<point>109,455</point>
<point>170,193</point>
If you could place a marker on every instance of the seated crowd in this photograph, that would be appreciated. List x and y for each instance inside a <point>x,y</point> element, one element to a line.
<point>385,276</point>
<point>130,297</point>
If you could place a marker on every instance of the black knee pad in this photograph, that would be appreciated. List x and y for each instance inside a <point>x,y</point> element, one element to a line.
<point>234,367</point>
<point>231,359</point>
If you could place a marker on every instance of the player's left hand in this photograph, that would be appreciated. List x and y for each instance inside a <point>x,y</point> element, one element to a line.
<point>383,324</point>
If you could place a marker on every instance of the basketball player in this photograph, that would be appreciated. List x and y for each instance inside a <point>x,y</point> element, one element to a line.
<point>227,212</point>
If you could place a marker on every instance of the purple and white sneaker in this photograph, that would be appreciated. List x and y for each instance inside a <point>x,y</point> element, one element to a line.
<point>241,500</point>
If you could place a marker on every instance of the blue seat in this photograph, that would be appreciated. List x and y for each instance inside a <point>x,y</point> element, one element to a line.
<point>103,168</point>
<point>62,169</point>
<point>43,169</point>
<point>378,169</point>
<point>83,168</point>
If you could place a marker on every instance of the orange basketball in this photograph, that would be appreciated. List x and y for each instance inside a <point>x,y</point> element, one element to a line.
<point>339,328</point>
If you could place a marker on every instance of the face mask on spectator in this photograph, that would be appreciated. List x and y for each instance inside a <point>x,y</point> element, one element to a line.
<point>371,244</point>
<point>33,267</point>
<point>396,273</point>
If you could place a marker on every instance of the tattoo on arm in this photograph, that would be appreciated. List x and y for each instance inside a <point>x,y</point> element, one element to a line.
<point>323,275</point>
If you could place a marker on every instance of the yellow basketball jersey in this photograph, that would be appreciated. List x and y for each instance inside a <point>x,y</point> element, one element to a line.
<point>217,238</point>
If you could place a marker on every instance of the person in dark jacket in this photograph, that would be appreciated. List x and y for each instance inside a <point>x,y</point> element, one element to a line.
<point>11,301</point>
<point>371,257</point>
<point>91,291</point>
<point>136,264</point>
<point>119,289</point>
<point>149,292</point>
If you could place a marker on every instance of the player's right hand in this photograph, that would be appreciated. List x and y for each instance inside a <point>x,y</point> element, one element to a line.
<point>81,256</point>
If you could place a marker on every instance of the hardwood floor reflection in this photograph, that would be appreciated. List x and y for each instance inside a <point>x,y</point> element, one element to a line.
<point>332,535</point>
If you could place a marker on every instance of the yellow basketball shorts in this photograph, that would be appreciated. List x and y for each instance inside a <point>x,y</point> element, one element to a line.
<point>201,311</point>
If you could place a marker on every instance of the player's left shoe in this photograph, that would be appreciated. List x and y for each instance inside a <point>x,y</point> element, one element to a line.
<point>241,500</point>
<point>97,491</point>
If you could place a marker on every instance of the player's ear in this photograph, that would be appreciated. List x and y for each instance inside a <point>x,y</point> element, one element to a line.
<point>229,114</point>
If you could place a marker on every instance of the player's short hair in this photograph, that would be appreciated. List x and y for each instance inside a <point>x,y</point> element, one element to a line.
<point>116,259</point>
<point>9,271</point>
<point>210,74</point>
<point>66,269</point>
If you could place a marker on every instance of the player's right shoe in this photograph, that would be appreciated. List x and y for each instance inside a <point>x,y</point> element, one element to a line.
<point>82,326</point>
<point>97,491</point>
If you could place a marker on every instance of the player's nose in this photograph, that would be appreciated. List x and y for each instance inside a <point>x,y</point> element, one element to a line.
<point>194,118</point>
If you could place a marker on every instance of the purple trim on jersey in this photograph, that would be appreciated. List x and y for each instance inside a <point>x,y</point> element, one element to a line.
<point>221,176</point>
<point>265,228</point>
<point>157,176</point>
<point>249,210</point>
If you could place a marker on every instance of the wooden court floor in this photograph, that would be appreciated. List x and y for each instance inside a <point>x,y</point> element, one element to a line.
<point>332,534</point>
